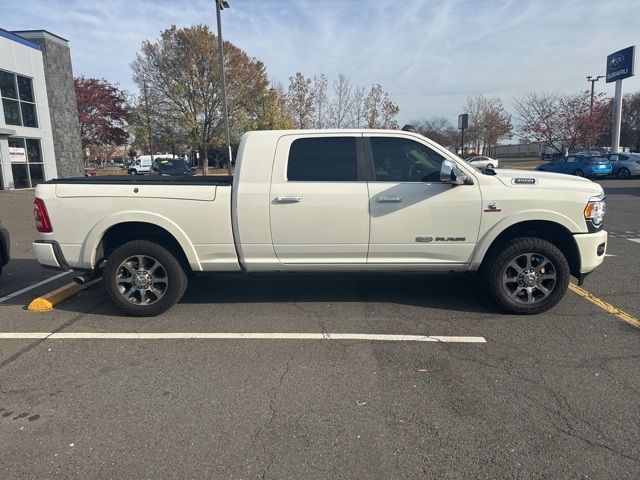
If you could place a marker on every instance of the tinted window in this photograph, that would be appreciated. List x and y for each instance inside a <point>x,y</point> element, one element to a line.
<point>25,87</point>
<point>8,85</point>
<point>323,159</point>
<point>404,160</point>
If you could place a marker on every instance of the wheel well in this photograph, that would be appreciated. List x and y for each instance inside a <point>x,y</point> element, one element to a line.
<point>550,231</point>
<point>122,233</point>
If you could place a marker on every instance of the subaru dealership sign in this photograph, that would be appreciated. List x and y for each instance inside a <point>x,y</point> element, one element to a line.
<point>621,64</point>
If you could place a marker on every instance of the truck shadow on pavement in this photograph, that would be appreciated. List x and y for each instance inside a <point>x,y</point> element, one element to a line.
<point>460,293</point>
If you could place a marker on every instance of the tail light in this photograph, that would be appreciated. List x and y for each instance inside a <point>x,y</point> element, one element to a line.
<point>43,224</point>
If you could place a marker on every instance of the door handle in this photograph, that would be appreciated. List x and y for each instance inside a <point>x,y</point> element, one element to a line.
<point>390,199</point>
<point>288,199</point>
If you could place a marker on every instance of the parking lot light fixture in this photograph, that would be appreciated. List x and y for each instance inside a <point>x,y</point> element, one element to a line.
<point>221,5</point>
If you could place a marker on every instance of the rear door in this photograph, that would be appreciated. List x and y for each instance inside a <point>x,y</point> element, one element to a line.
<point>319,200</point>
<point>416,218</point>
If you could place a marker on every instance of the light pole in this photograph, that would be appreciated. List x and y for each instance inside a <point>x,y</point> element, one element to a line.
<point>221,5</point>
<point>593,81</point>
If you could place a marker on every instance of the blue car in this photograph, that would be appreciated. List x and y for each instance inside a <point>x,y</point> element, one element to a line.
<point>580,165</point>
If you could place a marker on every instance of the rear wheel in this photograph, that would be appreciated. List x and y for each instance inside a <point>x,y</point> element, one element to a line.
<point>623,173</point>
<point>579,173</point>
<point>132,172</point>
<point>144,279</point>
<point>489,165</point>
<point>526,276</point>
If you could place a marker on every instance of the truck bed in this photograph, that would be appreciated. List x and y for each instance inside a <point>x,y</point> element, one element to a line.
<point>217,180</point>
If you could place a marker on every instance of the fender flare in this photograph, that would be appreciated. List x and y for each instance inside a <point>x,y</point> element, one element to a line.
<point>485,242</point>
<point>90,245</point>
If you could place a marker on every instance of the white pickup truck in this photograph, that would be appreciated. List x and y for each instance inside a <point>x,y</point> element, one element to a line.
<point>327,200</point>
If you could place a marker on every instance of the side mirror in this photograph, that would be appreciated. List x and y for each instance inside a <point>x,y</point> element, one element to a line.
<point>451,174</point>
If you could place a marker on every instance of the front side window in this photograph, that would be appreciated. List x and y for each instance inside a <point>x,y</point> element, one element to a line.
<point>323,159</point>
<point>18,100</point>
<point>404,160</point>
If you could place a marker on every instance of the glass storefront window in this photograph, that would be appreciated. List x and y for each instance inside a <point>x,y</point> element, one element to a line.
<point>11,112</point>
<point>20,175</point>
<point>29,114</point>
<point>8,85</point>
<point>18,100</point>
<point>25,87</point>
<point>36,173</point>
<point>28,168</point>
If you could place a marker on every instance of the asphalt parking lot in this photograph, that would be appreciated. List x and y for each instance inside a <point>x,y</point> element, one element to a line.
<point>550,396</point>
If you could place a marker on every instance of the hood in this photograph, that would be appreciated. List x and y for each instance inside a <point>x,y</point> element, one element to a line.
<point>539,179</point>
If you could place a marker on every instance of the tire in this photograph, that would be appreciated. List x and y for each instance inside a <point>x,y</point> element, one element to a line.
<point>489,165</point>
<point>132,172</point>
<point>164,278</point>
<point>579,173</point>
<point>529,299</point>
<point>623,173</point>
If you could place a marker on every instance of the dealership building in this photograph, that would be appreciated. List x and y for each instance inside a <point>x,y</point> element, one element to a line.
<point>39,129</point>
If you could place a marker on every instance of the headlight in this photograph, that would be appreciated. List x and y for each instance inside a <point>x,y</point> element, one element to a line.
<point>595,210</point>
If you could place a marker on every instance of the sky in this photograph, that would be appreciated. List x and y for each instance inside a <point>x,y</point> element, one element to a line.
<point>430,55</point>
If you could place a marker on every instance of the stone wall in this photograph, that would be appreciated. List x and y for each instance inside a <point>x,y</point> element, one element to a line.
<point>63,106</point>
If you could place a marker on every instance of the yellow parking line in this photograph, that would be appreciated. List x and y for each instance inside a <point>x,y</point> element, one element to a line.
<point>51,299</point>
<point>624,316</point>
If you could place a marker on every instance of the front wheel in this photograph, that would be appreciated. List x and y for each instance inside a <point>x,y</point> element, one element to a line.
<point>144,279</point>
<point>132,172</point>
<point>623,173</point>
<point>527,276</point>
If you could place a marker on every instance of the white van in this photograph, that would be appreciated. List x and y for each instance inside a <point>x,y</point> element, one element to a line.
<point>143,164</point>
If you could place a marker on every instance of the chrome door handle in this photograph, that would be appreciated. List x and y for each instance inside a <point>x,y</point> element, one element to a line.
<point>390,199</point>
<point>288,199</point>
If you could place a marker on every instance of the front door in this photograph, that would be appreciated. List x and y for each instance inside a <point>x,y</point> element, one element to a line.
<point>319,200</point>
<point>415,218</point>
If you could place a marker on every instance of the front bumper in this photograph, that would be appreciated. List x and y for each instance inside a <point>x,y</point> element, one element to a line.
<point>592,248</point>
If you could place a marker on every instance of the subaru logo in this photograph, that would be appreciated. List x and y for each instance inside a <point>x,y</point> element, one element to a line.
<point>616,60</point>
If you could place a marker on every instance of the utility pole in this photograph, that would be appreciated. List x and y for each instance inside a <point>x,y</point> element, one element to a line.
<point>221,5</point>
<point>593,81</point>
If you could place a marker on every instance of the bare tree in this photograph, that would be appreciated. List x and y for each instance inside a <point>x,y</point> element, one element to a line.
<point>560,121</point>
<point>342,104</point>
<point>300,101</point>
<point>320,103</point>
<point>440,130</point>
<point>489,122</point>
<point>379,110</point>
<point>358,120</point>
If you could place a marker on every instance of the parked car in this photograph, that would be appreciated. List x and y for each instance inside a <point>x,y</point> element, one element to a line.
<point>580,165</point>
<point>318,201</point>
<point>482,162</point>
<point>170,166</point>
<point>5,247</point>
<point>625,165</point>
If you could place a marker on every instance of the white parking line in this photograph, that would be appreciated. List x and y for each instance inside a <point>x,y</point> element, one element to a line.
<point>237,336</point>
<point>637,240</point>
<point>35,285</point>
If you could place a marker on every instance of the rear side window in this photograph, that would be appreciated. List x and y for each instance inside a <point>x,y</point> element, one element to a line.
<point>323,159</point>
